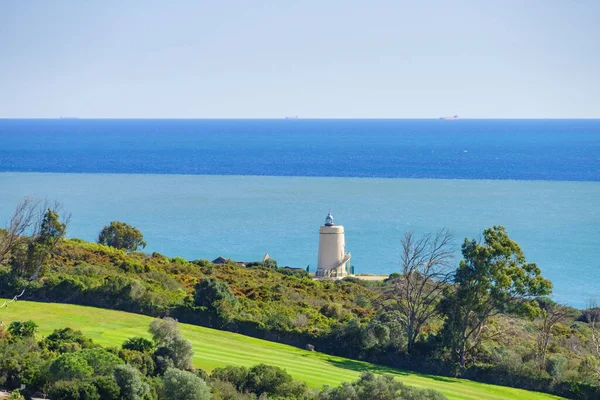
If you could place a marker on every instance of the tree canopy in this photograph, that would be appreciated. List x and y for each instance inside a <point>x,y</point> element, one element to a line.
<point>130,382</point>
<point>173,349</point>
<point>122,236</point>
<point>184,385</point>
<point>493,278</point>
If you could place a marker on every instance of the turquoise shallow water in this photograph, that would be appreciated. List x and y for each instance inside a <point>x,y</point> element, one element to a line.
<point>196,216</point>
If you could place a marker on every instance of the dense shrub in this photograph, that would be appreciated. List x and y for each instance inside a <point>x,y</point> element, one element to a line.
<point>138,344</point>
<point>210,292</point>
<point>556,367</point>
<point>273,381</point>
<point>227,391</point>
<point>261,379</point>
<point>73,390</point>
<point>66,340</point>
<point>22,329</point>
<point>333,310</point>
<point>20,362</point>
<point>371,386</point>
<point>237,376</point>
<point>142,361</point>
<point>202,263</point>
<point>16,395</point>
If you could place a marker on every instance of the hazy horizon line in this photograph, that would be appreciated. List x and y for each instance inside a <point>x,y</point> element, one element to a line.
<point>294,118</point>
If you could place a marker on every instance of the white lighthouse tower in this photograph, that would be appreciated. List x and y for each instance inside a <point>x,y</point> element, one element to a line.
<point>334,261</point>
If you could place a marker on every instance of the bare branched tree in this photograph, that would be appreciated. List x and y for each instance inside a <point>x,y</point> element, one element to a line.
<point>552,314</point>
<point>425,270</point>
<point>22,221</point>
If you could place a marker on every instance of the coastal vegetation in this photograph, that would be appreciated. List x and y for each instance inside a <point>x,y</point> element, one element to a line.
<point>216,350</point>
<point>66,365</point>
<point>487,319</point>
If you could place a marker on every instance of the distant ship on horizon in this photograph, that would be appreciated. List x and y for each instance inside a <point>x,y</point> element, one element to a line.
<point>450,118</point>
<point>292,117</point>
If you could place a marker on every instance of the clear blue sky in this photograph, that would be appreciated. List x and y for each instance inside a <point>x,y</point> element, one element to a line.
<point>269,59</point>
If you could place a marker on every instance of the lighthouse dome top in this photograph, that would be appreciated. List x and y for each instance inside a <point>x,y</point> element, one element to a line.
<point>329,220</point>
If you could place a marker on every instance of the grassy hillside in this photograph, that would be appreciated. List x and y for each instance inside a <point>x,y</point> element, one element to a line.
<point>215,348</point>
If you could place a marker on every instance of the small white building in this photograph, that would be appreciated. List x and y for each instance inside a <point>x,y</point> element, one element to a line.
<point>334,261</point>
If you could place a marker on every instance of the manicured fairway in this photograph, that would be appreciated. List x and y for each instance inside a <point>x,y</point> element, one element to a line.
<point>214,348</point>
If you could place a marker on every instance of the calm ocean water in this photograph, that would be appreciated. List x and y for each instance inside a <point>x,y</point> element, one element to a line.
<point>538,178</point>
<point>567,150</point>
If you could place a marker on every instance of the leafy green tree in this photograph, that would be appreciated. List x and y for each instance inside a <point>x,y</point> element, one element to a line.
<point>51,229</point>
<point>164,330</point>
<point>138,344</point>
<point>70,366</point>
<point>101,361</point>
<point>107,387</point>
<point>271,380</point>
<point>130,382</point>
<point>23,329</point>
<point>173,349</point>
<point>122,236</point>
<point>176,354</point>
<point>216,296</point>
<point>184,385</point>
<point>493,278</point>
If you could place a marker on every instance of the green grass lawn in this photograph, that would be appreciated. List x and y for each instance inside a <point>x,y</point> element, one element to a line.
<point>214,348</point>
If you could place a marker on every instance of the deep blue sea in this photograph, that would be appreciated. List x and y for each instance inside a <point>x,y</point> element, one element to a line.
<point>240,188</point>
<point>557,150</point>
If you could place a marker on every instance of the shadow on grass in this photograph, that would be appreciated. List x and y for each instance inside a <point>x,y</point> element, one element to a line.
<point>361,366</point>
